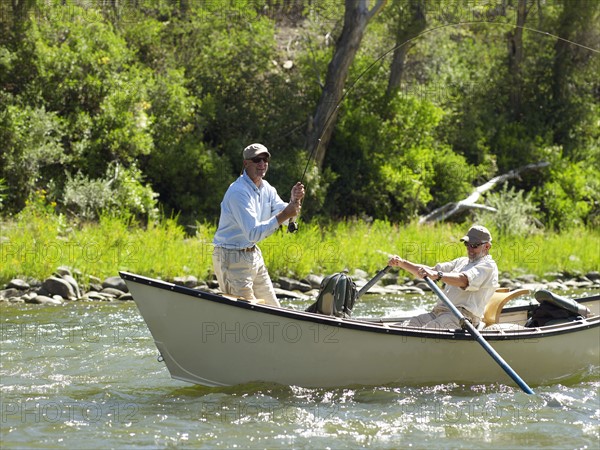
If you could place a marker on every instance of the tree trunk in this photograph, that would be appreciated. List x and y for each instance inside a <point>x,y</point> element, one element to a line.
<point>356,18</point>
<point>404,33</point>
<point>577,23</point>
<point>515,58</point>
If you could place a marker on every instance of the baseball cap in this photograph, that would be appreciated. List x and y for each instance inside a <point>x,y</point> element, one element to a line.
<point>477,234</point>
<point>253,150</point>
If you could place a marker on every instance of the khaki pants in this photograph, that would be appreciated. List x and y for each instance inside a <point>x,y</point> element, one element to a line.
<point>441,318</point>
<point>243,273</point>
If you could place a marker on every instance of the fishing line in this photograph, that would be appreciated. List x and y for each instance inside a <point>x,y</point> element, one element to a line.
<point>293,226</point>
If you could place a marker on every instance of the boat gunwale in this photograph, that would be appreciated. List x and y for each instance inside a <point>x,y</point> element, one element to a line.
<point>373,325</point>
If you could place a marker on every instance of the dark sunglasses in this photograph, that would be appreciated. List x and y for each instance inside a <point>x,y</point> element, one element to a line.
<point>474,245</point>
<point>258,159</point>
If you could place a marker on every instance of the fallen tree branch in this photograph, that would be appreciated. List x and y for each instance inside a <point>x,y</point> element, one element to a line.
<point>449,209</point>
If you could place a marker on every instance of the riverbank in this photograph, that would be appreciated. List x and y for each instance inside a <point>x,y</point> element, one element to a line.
<point>63,286</point>
<point>34,244</point>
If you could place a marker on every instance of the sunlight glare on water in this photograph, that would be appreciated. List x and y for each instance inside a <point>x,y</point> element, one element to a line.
<point>86,376</point>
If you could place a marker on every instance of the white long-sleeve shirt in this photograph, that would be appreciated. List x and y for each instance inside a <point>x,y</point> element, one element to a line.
<point>248,214</point>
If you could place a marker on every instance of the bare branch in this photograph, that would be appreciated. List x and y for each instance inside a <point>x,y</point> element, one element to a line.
<point>444,212</point>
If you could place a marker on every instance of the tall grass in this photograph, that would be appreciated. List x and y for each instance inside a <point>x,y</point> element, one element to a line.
<point>35,243</point>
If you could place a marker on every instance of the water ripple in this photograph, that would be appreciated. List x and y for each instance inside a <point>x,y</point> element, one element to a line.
<point>86,376</point>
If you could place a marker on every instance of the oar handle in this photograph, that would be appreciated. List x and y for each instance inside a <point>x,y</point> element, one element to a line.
<point>477,335</point>
<point>371,283</point>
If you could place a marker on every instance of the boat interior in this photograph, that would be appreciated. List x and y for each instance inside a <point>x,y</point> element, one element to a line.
<point>498,318</point>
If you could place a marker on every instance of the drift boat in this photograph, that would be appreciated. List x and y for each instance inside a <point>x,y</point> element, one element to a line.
<point>215,340</point>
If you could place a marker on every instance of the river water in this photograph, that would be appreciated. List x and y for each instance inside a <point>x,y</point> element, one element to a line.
<point>86,376</point>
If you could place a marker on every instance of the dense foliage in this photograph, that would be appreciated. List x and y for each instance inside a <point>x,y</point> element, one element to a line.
<point>132,107</point>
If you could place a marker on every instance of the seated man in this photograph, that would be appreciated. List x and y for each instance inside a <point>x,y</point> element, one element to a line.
<point>470,281</point>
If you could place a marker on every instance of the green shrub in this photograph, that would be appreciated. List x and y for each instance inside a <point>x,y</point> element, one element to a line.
<point>390,164</point>
<point>515,215</point>
<point>570,198</point>
<point>121,192</point>
<point>31,150</point>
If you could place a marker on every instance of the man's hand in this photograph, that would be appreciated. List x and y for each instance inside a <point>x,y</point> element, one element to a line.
<point>291,210</point>
<point>427,272</point>
<point>396,261</point>
<point>297,193</point>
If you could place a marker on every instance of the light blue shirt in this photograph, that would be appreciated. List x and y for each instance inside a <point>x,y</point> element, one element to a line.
<point>248,214</point>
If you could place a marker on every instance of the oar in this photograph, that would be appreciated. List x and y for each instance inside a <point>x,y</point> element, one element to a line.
<point>371,283</point>
<point>477,335</point>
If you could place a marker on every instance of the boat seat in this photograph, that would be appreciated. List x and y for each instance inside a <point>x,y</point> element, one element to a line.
<point>494,306</point>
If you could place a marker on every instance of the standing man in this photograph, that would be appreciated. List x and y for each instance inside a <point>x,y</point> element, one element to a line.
<point>470,281</point>
<point>251,211</point>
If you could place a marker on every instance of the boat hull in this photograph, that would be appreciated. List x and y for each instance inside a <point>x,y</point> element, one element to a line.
<point>216,341</point>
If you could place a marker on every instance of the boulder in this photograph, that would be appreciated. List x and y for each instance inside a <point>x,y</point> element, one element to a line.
<point>29,296</point>
<point>594,276</point>
<point>43,300</point>
<point>11,293</point>
<point>282,293</point>
<point>94,296</point>
<point>187,281</point>
<point>213,284</point>
<point>112,292</point>
<point>58,286</point>
<point>313,280</point>
<point>361,274</point>
<point>18,284</point>
<point>527,278</point>
<point>374,290</point>
<point>411,290</point>
<point>389,278</point>
<point>556,286</point>
<point>115,283</point>
<point>95,287</point>
<point>63,270</point>
<point>423,286</point>
<point>68,278</point>
<point>290,284</point>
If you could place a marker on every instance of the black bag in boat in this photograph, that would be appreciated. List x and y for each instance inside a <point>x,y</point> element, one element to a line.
<point>554,309</point>
<point>336,296</point>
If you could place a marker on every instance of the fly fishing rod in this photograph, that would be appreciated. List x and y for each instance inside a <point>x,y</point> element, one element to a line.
<point>292,224</point>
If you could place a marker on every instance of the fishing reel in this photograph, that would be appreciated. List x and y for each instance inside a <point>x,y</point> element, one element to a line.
<point>292,227</point>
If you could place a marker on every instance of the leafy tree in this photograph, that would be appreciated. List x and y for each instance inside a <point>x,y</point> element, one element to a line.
<point>357,14</point>
<point>574,82</point>
<point>3,190</point>
<point>393,167</point>
<point>171,92</point>
<point>569,198</point>
<point>31,150</point>
<point>407,22</point>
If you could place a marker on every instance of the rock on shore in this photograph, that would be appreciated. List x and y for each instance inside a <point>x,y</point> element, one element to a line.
<point>62,287</point>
